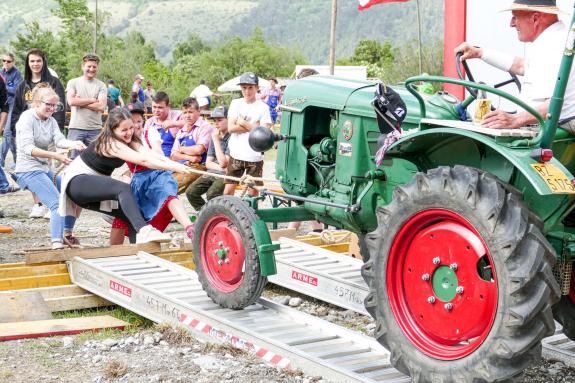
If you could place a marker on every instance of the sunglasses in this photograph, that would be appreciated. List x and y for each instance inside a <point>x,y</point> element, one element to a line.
<point>7,61</point>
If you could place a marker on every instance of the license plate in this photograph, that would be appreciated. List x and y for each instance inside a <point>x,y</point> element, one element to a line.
<point>554,178</point>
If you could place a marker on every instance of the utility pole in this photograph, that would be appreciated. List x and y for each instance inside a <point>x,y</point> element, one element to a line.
<point>419,36</point>
<point>96,29</point>
<point>332,37</point>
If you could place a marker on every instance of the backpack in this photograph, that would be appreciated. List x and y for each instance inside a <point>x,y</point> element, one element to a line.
<point>390,110</point>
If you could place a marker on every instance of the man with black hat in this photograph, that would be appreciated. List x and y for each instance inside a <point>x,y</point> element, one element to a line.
<point>538,25</point>
<point>245,114</point>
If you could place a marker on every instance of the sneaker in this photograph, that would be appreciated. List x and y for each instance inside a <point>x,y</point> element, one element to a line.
<point>56,245</point>
<point>48,214</point>
<point>10,189</point>
<point>150,234</point>
<point>108,218</point>
<point>190,232</point>
<point>37,211</point>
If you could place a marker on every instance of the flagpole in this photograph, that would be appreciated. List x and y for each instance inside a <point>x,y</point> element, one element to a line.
<point>419,36</point>
<point>332,37</point>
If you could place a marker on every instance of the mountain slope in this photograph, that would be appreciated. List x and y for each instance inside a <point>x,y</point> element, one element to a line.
<point>301,23</point>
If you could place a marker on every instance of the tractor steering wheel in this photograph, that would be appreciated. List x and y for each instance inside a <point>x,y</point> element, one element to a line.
<point>472,91</point>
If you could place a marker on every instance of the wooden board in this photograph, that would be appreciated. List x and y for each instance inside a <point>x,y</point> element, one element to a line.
<point>287,233</point>
<point>35,281</point>
<point>354,250</point>
<point>26,271</point>
<point>468,125</point>
<point>76,302</point>
<point>99,252</point>
<point>64,298</point>
<point>337,247</point>
<point>53,327</point>
<point>23,306</point>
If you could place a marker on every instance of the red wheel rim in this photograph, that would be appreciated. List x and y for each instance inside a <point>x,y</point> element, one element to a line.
<point>221,237</point>
<point>444,248</point>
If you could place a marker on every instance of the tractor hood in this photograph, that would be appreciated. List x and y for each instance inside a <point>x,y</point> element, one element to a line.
<point>355,97</point>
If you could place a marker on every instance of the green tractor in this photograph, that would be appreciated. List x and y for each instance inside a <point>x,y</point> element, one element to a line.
<point>465,232</point>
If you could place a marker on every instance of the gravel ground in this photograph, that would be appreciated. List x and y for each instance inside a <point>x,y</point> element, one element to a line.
<point>159,354</point>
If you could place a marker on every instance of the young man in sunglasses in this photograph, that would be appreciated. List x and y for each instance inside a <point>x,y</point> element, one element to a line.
<point>87,97</point>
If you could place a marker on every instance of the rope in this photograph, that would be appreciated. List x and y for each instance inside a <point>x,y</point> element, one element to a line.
<point>328,237</point>
<point>246,179</point>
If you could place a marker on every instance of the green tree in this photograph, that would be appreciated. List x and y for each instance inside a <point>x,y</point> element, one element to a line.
<point>35,37</point>
<point>121,59</point>
<point>237,55</point>
<point>193,45</point>
<point>373,52</point>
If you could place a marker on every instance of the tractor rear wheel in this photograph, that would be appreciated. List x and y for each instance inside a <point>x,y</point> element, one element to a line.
<point>225,253</point>
<point>460,279</point>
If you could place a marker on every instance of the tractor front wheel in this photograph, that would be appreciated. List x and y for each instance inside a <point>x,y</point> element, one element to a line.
<point>460,279</point>
<point>225,253</point>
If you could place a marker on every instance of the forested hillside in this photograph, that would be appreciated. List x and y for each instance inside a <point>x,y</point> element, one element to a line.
<point>295,23</point>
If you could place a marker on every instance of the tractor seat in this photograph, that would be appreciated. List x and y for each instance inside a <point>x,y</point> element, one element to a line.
<point>472,126</point>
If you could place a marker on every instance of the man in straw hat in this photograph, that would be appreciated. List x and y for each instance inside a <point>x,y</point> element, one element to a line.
<point>538,25</point>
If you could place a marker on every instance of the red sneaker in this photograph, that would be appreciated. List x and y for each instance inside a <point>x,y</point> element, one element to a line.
<point>190,232</point>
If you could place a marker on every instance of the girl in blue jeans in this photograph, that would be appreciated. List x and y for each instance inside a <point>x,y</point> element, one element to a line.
<point>36,130</point>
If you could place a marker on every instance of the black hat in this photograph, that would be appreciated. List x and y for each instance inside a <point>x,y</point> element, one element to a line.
<point>220,112</point>
<point>248,78</point>
<point>135,107</point>
<point>544,6</point>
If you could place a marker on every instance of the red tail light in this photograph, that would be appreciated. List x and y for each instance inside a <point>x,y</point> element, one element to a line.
<point>546,155</point>
<point>542,155</point>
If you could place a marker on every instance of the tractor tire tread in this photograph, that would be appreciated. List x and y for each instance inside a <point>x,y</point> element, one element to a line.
<point>243,217</point>
<point>527,287</point>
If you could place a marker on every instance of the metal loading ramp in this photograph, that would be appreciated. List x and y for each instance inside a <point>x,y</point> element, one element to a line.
<point>320,273</point>
<point>165,292</point>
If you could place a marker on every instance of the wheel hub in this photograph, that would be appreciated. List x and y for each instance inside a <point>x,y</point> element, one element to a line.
<point>223,253</point>
<point>441,299</point>
<point>444,283</point>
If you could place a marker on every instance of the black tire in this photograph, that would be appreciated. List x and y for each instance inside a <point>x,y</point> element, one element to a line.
<point>522,259</point>
<point>363,249</point>
<point>240,217</point>
<point>564,313</point>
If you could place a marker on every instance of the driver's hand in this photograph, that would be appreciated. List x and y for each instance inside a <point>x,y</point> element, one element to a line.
<point>499,119</point>
<point>469,51</point>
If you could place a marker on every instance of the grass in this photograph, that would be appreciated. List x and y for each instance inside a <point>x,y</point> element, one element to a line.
<point>178,336</point>
<point>137,322</point>
<point>223,348</point>
<point>6,374</point>
<point>115,369</point>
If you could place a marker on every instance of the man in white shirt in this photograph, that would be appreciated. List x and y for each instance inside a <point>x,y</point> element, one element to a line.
<point>537,24</point>
<point>203,94</point>
<point>245,114</point>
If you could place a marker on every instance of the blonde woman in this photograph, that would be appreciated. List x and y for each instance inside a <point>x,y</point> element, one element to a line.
<point>36,129</point>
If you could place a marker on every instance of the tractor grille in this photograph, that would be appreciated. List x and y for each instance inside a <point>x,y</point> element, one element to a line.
<point>562,273</point>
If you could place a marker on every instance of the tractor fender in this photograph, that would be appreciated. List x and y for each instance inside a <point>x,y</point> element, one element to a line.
<point>443,146</point>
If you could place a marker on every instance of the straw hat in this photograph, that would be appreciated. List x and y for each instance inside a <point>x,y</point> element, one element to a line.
<point>544,6</point>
